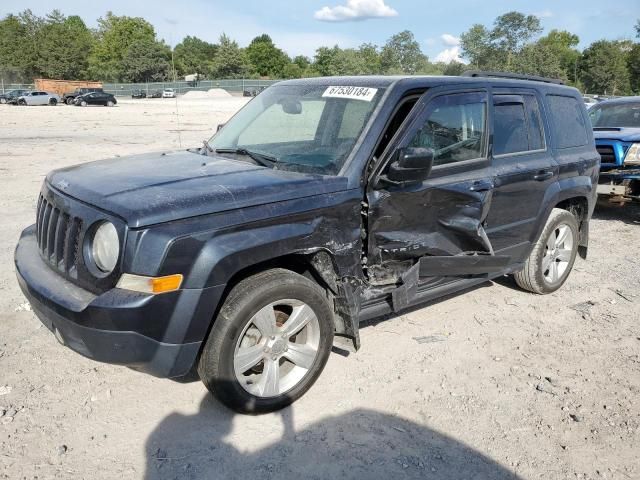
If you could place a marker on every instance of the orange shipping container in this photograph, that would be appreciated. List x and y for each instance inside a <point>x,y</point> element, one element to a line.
<point>63,86</point>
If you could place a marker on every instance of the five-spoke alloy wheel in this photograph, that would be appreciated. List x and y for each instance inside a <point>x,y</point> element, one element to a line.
<point>277,348</point>
<point>553,255</point>
<point>269,342</point>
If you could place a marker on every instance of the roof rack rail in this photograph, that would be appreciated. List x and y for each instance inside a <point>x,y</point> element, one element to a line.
<point>514,76</point>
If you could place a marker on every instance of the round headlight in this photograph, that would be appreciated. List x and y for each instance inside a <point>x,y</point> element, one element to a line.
<point>105,247</point>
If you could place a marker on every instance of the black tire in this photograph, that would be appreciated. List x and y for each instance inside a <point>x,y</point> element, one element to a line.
<point>53,102</point>
<point>216,363</point>
<point>110,103</point>
<point>3,100</point>
<point>22,102</point>
<point>70,100</point>
<point>532,276</point>
<point>84,104</point>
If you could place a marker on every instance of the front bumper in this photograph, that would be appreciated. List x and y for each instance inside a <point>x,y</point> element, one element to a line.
<point>157,334</point>
<point>620,185</point>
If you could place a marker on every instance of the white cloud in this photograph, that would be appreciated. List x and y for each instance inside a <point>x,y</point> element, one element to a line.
<point>450,40</point>
<point>449,55</point>
<point>355,10</point>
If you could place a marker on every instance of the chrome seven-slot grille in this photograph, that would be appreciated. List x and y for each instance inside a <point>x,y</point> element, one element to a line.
<point>58,236</point>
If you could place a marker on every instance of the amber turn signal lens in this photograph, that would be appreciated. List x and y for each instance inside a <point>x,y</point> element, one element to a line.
<point>166,284</point>
<point>155,285</point>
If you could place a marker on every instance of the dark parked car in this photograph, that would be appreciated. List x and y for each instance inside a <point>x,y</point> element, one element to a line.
<point>155,94</point>
<point>12,96</point>
<point>616,125</point>
<point>138,94</point>
<point>69,98</point>
<point>253,92</point>
<point>96,98</point>
<point>323,203</point>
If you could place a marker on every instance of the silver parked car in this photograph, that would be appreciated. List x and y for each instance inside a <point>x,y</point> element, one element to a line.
<point>38,97</point>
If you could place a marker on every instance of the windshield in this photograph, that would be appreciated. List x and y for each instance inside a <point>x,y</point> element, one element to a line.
<point>305,128</point>
<point>615,115</point>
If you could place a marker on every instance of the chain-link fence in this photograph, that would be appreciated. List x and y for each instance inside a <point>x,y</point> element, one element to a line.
<point>7,87</point>
<point>126,89</point>
<point>181,87</point>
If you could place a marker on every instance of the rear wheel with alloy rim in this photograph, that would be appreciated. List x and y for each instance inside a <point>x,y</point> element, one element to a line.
<point>553,255</point>
<point>83,103</point>
<point>270,342</point>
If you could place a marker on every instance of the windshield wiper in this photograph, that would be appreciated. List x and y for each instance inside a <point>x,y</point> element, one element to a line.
<point>259,158</point>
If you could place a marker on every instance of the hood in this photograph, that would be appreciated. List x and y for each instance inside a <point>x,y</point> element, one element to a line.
<point>624,134</point>
<point>156,188</point>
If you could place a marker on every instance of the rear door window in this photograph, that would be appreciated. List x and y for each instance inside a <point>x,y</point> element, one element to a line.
<point>569,126</point>
<point>517,127</point>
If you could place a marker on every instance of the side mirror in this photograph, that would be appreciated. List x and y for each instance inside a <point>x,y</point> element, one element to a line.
<point>220,125</point>
<point>411,164</point>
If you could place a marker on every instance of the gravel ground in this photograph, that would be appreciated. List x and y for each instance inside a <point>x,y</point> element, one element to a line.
<point>506,384</point>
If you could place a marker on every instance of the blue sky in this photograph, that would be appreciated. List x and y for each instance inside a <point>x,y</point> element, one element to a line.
<point>299,27</point>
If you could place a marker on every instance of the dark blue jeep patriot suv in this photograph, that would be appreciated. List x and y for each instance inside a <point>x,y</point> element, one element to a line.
<point>616,126</point>
<point>319,205</point>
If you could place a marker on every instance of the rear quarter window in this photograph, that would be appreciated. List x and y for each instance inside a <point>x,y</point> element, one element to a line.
<point>568,122</point>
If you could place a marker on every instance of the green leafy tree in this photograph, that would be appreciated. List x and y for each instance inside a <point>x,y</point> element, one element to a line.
<point>13,37</point>
<point>453,68</point>
<point>538,59</point>
<point>370,55</point>
<point>65,45</point>
<point>266,59</point>
<point>562,45</point>
<point>193,55</point>
<point>146,61</point>
<point>115,35</point>
<point>604,67</point>
<point>349,61</point>
<point>476,45</point>
<point>633,65</point>
<point>402,54</point>
<point>231,61</point>
<point>512,31</point>
<point>496,49</point>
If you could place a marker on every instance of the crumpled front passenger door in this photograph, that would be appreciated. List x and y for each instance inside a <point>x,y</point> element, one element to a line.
<point>436,228</point>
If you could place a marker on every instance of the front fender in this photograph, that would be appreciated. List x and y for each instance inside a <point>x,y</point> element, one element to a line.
<point>210,250</point>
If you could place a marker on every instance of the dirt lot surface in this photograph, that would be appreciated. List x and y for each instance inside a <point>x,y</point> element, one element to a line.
<point>493,383</point>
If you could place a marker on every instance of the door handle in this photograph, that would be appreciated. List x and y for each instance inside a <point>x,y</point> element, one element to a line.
<point>543,175</point>
<point>481,186</point>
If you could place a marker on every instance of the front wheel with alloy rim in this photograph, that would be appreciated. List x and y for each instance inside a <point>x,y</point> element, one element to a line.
<point>269,343</point>
<point>553,255</point>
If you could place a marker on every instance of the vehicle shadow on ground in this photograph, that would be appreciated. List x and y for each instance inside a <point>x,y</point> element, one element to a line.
<point>362,444</point>
<point>629,214</point>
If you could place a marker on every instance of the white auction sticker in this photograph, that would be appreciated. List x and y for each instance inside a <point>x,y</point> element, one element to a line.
<point>354,93</point>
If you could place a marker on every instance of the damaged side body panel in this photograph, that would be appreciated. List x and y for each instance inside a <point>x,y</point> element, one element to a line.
<point>438,222</point>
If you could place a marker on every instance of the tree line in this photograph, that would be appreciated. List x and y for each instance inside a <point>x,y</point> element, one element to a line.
<point>127,49</point>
